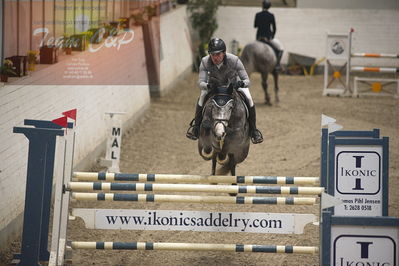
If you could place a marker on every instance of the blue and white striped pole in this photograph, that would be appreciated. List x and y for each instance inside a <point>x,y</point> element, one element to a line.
<point>170,178</point>
<point>193,199</point>
<point>194,247</point>
<point>292,190</point>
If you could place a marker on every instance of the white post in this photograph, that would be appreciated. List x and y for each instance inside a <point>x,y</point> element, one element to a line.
<point>61,202</point>
<point>114,142</point>
<point>349,65</point>
<point>337,50</point>
<point>59,178</point>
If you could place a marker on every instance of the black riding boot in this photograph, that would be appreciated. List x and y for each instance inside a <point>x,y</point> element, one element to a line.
<point>193,130</point>
<point>279,54</point>
<point>256,135</point>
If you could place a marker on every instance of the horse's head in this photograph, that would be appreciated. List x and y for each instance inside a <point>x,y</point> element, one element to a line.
<point>221,113</point>
<point>218,112</point>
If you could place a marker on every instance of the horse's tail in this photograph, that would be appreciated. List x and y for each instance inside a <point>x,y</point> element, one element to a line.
<point>245,55</point>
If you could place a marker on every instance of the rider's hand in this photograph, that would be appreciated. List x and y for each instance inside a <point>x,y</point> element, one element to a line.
<point>239,84</point>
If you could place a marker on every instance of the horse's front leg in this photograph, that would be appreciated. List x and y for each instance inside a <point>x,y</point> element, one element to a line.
<point>232,166</point>
<point>214,165</point>
<point>264,86</point>
<point>276,88</point>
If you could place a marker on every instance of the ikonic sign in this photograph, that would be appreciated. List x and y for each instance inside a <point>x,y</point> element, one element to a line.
<point>364,246</point>
<point>358,180</point>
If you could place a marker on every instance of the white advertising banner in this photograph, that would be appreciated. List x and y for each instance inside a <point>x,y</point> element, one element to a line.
<point>249,222</point>
<point>358,180</point>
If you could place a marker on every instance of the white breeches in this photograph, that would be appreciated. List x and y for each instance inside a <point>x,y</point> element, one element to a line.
<point>202,97</point>
<point>247,95</point>
<point>277,44</point>
<point>243,90</point>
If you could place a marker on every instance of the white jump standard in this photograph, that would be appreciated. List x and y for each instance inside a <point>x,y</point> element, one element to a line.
<point>339,50</point>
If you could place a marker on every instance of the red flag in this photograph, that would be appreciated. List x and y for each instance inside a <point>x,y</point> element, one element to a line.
<point>71,114</point>
<point>62,121</point>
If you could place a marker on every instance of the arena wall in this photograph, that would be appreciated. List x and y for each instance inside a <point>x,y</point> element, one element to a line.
<point>176,53</point>
<point>356,4</point>
<point>45,102</point>
<point>303,30</point>
<point>23,98</point>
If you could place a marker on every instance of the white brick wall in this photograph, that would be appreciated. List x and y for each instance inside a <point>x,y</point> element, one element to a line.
<point>369,4</point>
<point>124,68</point>
<point>176,53</point>
<point>304,31</point>
<point>19,102</point>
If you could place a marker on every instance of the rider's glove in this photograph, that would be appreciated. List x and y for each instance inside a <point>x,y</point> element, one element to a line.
<point>239,84</point>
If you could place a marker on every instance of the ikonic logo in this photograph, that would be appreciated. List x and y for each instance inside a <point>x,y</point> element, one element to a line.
<point>364,259</point>
<point>358,172</point>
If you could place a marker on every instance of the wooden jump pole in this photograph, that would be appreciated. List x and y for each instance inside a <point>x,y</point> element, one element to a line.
<point>92,186</point>
<point>193,199</point>
<point>170,178</point>
<point>194,247</point>
<point>381,55</point>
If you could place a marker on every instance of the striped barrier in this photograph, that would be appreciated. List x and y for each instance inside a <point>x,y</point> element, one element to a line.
<point>193,199</point>
<point>194,247</point>
<point>217,221</point>
<point>170,178</point>
<point>375,69</point>
<point>382,55</point>
<point>378,87</point>
<point>90,186</point>
<point>335,84</point>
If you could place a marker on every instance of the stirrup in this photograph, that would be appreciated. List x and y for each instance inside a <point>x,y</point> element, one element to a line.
<point>190,131</point>
<point>256,137</point>
<point>277,69</point>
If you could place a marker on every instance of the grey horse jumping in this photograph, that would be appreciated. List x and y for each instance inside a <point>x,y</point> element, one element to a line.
<point>260,57</point>
<point>224,132</point>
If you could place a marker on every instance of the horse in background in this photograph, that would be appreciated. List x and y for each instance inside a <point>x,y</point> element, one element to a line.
<point>260,57</point>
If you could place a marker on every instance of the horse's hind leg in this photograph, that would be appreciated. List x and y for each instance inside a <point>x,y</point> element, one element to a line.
<point>264,86</point>
<point>276,88</point>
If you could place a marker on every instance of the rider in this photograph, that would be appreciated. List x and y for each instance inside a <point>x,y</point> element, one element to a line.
<point>266,25</point>
<point>221,64</point>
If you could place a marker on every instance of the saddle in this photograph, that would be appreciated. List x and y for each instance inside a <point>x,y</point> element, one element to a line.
<point>268,42</point>
<point>223,95</point>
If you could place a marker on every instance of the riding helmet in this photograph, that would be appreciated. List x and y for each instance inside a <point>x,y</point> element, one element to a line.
<point>216,45</point>
<point>266,4</point>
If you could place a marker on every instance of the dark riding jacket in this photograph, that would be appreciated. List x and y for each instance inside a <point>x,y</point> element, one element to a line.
<point>266,25</point>
<point>230,70</point>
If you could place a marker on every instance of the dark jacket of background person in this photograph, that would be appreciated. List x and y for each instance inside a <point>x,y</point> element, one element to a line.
<point>266,25</point>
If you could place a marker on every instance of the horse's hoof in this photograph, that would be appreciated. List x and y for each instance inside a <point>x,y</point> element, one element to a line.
<point>268,103</point>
